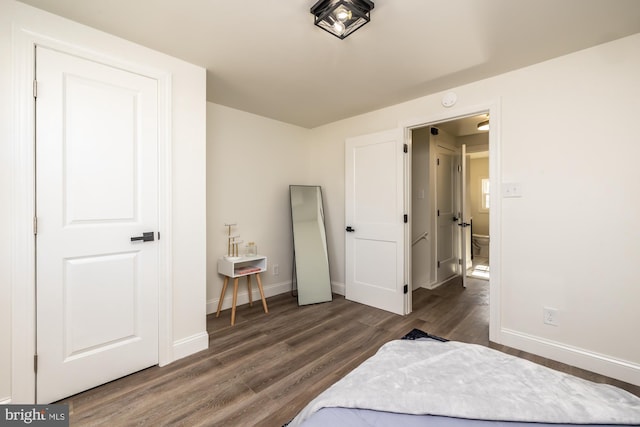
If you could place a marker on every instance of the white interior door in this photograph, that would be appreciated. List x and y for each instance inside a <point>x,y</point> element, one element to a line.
<point>374,216</point>
<point>96,178</point>
<point>447,216</point>
<point>465,218</point>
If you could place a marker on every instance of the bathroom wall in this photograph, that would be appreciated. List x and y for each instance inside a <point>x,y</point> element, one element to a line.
<point>479,169</point>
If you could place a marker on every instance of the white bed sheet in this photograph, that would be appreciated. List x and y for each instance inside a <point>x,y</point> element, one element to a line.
<point>462,380</point>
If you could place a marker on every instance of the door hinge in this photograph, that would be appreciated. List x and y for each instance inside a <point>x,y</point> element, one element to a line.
<point>438,264</point>
<point>406,218</point>
<point>35,88</point>
<point>459,168</point>
<point>438,212</point>
<point>35,225</point>
<point>406,289</point>
<point>158,235</point>
<point>438,162</point>
<point>406,148</point>
<point>459,261</point>
<point>35,363</point>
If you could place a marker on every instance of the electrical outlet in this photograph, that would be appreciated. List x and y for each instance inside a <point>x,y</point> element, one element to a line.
<point>550,316</point>
<point>276,269</point>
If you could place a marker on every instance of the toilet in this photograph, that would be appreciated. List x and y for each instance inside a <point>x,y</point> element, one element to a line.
<point>480,245</point>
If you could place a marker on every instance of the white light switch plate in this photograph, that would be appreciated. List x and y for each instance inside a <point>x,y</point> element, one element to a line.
<point>511,189</point>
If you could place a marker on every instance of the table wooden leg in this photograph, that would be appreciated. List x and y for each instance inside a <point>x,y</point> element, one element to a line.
<point>224,289</point>
<point>249,289</point>
<point>264,301</point>
<point>235,299</point>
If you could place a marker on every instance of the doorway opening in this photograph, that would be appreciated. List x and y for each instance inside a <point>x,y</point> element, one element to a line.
<point>450,202</point>
<point>479,195</point>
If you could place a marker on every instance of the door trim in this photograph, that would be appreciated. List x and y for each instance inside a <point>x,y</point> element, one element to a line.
<point>495,176</point>
<point>23,274</point>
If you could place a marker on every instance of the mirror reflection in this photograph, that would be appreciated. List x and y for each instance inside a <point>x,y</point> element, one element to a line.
<point>311,258</point>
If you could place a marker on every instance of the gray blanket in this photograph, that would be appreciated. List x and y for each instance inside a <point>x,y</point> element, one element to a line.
<point>469,381</point>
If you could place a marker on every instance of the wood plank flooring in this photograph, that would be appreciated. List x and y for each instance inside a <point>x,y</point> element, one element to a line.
<point>267,367</point>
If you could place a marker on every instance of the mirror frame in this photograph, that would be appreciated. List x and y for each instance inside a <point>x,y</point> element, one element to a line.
<point>311,273</point>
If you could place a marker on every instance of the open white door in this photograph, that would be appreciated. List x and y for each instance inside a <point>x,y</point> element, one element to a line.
<point>447,214</point>
<point>465,218</point>
<point>374,219</point>
<point>97,187</point>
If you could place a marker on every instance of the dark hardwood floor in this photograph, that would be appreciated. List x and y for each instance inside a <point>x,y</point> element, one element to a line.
<point>264,369</point>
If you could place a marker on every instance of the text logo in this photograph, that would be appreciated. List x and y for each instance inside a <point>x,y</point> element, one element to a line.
<point>34,415</point>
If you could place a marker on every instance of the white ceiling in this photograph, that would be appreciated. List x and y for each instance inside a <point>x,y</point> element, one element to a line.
<point>266,56</point>
<point>463,126</point>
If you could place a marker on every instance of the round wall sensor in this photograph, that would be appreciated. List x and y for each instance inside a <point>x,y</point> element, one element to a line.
<point>449,99</point>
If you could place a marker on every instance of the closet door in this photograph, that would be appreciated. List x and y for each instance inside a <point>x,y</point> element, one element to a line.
<point>97,187</point>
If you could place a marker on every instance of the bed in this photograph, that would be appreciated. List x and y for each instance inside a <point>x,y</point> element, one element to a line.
<point>424,380</point>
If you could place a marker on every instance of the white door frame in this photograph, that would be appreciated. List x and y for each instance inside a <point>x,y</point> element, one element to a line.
<point>493,108</point>
<point>23,277</point>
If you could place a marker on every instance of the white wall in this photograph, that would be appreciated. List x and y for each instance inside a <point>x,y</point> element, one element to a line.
<point>578,174</point>
<point>188,217</point>
<point>251,161</point>
<point>421,205</point>
<point>475,143</point>
<point>588,103</point>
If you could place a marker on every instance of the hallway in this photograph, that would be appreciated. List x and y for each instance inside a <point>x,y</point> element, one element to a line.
<point>480,268</point>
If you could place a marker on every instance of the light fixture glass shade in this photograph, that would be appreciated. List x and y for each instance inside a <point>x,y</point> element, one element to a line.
<point>484,125</point>
<point>341,17</point>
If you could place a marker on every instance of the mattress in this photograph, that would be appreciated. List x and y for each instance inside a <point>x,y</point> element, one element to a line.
<point>426,381</point>
<point>353,417</point>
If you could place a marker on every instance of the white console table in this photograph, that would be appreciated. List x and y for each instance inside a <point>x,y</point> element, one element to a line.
<point>235,268</point>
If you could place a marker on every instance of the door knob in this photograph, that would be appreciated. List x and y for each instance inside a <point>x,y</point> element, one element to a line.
<point>350,229</point>
<point>146,237</point>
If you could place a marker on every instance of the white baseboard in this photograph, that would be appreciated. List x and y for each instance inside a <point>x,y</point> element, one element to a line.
<point>5,400</point>
<point>432,286</point>
<point>338,288</point>
<point>599,363</point>
<point>269,291</point>
<point>190,345</point>
<point>243,296</point>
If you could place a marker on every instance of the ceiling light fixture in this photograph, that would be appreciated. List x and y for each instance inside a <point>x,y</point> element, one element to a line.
<point>341,17</point>
<point>483,125</point>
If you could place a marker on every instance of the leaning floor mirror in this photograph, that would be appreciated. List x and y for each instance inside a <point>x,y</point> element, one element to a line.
<point>311,258</point>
